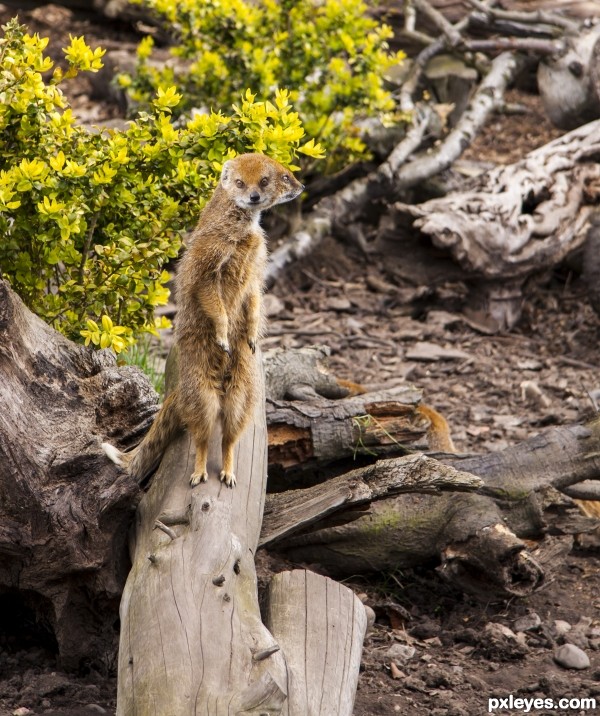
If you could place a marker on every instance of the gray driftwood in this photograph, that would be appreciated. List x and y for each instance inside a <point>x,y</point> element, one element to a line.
<point>320,625</point>
<point>516,220</point>
<point>65,510</point>
<point>476,538</point>
<point>569,81</point>
<point>192,640</point>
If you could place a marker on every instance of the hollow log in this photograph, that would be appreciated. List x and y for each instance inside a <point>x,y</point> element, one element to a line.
<point>313,433</point>
<point>64,510</point>
<point>320,625</point>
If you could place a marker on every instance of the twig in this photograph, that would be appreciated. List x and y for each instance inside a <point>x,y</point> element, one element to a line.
<point>167,530</point>
<point>537,16</point>
<point>410,16</point>
<point>485,100</point>
<point>451,33</point>
<point>519,44</point>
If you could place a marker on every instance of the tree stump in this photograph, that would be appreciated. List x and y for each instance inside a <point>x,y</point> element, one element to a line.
<point>320,625</point>
<point>192,640</point>
<point>64,509</point>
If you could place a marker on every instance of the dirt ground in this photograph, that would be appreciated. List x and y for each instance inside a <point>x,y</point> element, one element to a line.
<point>432,649</point>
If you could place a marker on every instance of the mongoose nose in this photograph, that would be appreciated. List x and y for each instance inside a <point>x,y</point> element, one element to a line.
<point>255,197</point>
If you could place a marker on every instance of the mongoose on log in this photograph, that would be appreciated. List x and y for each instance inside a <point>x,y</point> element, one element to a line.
<point>219,294</point>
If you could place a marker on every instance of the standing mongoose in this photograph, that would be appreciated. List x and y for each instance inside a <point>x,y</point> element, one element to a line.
<point>219,294</point>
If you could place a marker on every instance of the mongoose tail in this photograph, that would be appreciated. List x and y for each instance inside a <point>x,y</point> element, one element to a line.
<point>145,458</point>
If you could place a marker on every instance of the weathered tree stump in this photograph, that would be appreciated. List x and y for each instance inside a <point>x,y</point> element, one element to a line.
<point>515,220</point>
<point>306,612</point>
<point>64,510</point>
<point>192,639</point>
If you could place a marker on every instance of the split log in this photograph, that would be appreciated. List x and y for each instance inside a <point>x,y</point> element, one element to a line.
<point>64,510</point>
<point>295,510</point>
<point>320,625</point>
<point>192,639</point>
<point>313,433</point>
<point>516,220</point>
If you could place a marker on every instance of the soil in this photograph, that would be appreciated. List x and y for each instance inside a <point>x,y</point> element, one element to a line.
<point>432,650</point>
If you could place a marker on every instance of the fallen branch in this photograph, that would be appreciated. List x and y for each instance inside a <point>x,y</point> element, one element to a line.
<point>289,512</point>
<point>343,208</point>
<point>488,96</point>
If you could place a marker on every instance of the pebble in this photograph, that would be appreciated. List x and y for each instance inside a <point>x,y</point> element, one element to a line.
<point>400,652</point>
<point>527,623</point>
<point>22,711</point>
<point>571,657</point>
<point>370,616</point>
<point>561,627</point>
<point>95,709</point>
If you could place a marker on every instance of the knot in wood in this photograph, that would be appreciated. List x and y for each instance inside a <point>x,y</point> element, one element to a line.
<point>219,581</point>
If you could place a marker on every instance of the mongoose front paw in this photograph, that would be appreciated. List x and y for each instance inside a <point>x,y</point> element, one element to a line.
<point>252,344</point>
<point>197,478</point>
<point>224,344</point>
<point>228,478</point>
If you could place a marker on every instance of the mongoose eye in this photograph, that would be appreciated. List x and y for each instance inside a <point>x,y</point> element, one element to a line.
<point>239,183</point>
<point>286,179</point>
<point>264,181</point>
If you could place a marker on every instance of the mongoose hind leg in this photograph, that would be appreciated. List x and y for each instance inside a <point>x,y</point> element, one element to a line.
<point>206,412</point>
<point>237,405</point>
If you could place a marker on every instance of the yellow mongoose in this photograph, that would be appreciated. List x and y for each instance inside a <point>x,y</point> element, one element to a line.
<point>219,293</point>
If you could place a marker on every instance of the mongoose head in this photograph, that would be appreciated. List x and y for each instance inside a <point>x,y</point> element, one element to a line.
<point>257,182</point>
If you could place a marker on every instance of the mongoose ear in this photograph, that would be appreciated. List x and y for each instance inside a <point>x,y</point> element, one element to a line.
<point>225,170</point>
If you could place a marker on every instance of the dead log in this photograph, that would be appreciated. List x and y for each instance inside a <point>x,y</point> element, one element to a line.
<point>320,625</point>
<point>191,633</point>
<point>313,433</point>
<point>464,535</point>
<point>569,81</point>
<point>477,539</point>
<point>64,510</point>
<point>295,510</point>
<point>515,220</point>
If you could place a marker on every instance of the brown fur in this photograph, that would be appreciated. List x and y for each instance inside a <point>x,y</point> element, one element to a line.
<point>219,318</point>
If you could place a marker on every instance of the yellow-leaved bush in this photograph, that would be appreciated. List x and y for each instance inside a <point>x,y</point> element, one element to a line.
<point>89,219</point>
<point>329,54</point>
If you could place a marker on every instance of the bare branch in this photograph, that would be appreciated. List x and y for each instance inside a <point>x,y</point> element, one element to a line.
<point>536,17</point>
<point>450,32</point>
<point>519,44</point>
<point>486,99</point>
